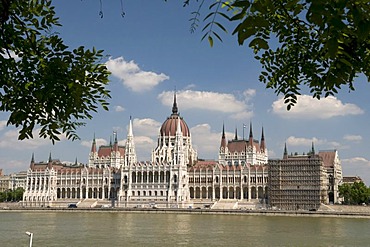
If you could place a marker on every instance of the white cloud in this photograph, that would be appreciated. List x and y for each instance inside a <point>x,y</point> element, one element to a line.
<point>206,141</point>
<point>146,127</point>
<point>211,101</point>
<point>10,166</point>
<point>119,108</point>
<point>3,124</point>
<point>353,138</point>
<point>357,166</point>
<point>249,93</point>
<point>99,142</point>
<point>311,108</point>
<point>132,76</point>
<point>307,142</point>
<point>10,140</point>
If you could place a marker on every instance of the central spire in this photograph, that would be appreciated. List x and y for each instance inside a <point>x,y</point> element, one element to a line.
<point>174,106</point>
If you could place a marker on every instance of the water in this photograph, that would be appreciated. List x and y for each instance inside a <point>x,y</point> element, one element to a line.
<point>141,229</point>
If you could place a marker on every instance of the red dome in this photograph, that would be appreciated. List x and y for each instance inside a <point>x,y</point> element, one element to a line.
<point>169,127</point>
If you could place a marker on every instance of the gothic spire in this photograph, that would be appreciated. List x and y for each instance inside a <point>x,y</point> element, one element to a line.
<point>263,144</point>
<point>93,146</point>
<point>33,158</point>
<point>223,138</point>
<point>174,106</point>
<point>285,152</point>
<point>250,131</point>
<point>312,149</point>
<point>236,134</point>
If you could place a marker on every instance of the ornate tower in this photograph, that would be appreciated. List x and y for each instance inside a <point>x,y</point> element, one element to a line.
<point>130,152</point>
<point>168,136</point>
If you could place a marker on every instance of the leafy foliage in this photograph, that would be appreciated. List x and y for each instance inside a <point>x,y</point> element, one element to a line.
<point>323,45</point>
<point>10,195</point>
<point>42,82</point>
<point>354,194</point>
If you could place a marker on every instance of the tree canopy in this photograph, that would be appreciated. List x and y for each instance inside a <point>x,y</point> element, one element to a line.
<point>44,83</point>
<point>321,45</point>
<point>354,194</point>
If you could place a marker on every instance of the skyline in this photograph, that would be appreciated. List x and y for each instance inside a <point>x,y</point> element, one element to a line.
<point>150,52</point>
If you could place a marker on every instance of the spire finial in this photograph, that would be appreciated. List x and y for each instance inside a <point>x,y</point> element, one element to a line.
<point>285,151</point>
<point>313,149</point>
<point>174,107</point>
<point>33,158</point>
<point>250,130</point>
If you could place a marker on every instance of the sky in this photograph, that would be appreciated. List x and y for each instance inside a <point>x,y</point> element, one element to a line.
<point>151,53</point>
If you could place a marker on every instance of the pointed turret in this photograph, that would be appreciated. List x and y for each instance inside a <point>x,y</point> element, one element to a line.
<point>312,149</point>
<point>236,134</point>
<point>115,145</point>
<point>223,138</point>
<point>50,163</point>
<point>263,144</point>
<point>32,165</point>
<point>250,140</point>
<point>130,153</point>
<point>174,106</point>
<point>285,156</point>
<point>93,146</point>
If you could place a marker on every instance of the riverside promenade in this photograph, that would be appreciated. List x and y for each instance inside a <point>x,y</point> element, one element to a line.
<point>344,211</point>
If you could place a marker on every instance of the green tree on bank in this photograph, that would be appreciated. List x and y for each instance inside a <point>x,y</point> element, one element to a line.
<point>354,194</point>
<point>12,196</point>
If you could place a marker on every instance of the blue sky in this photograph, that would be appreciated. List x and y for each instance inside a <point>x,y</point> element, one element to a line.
<point>150,52</point>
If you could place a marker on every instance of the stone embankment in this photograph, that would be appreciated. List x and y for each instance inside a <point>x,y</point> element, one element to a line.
<point>324,211</point>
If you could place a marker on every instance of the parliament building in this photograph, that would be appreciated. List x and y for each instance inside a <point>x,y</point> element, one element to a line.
<point>175,176</point>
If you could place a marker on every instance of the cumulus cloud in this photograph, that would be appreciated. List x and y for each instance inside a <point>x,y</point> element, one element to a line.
<point>132,76</point>
<point>311,108</point>
<point>99,142</point>
<point>206,141</point>
<point>307,142</point>
<point>146,127</point>
<point>211,101</point>
<point>353,138</point>
<point>10,140</point>
<point>2,124</point>
<point>357,166</point>
<point>119,108</point>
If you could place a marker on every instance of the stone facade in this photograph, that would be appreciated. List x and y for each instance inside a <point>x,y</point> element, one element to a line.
<point>175,176</point>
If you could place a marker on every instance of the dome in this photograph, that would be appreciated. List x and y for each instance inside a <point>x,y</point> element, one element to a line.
<point>169,126</point>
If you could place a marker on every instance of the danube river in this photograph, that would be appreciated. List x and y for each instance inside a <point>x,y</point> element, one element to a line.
<point>74,228</point>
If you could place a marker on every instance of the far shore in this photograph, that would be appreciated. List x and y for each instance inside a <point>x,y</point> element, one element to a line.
<point>342,211</point>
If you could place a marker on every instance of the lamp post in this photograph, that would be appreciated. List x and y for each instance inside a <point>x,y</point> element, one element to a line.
<point>30,234</point>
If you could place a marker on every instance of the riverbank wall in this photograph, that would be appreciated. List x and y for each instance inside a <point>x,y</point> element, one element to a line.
<point>330,211</point>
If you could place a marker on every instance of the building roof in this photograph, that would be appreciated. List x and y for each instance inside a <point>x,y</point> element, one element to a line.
<point>169,127</point>
<point>328,157</point>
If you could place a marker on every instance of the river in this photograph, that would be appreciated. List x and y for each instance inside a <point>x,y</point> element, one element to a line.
<point>75,228</point>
